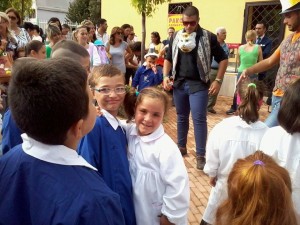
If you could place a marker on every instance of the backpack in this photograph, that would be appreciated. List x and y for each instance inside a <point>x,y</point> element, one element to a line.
<point>102,52</point>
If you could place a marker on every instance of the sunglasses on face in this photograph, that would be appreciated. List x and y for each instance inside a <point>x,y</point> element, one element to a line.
<point>191,23</point>
<point>12,17</point>
<point>132,34</point>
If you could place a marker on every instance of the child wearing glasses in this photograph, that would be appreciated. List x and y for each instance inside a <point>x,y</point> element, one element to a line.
<point>105,147</point>
<point>149,74</point>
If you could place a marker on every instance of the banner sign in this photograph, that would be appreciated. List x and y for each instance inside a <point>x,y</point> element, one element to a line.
<point>175,20</point>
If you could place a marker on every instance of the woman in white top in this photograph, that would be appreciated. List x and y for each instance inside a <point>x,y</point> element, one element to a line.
<point>117,48</point>
<point>160,181</point>
<point>283,142</point>
<point>80,35</point>
<point>233,138</point>
<point>20,33</point>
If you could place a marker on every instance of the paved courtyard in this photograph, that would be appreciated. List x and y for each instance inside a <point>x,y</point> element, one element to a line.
<point>200,188</point>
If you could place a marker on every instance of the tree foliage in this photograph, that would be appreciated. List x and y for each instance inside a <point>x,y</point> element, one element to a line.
<point>80,10</point>
<point>22,6</point>
<point>146,8</point>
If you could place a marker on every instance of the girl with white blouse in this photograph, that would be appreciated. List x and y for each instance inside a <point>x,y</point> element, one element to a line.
<point>233,138</point>
<point>160,181</point>
<point>283,142</point>
<point>81,36</point>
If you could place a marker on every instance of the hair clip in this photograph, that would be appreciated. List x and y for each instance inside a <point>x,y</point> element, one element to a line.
<point>258,162</point>
<point>252,85</point>
<point>137,93</point>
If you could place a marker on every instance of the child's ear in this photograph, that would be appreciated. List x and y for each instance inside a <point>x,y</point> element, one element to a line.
<point>33,53</point>
<point>77,130</point>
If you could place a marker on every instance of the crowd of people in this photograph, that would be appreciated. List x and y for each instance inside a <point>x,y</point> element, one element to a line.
<point>91,166</point>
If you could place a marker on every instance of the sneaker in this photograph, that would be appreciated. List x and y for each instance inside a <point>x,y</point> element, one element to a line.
<point>211,111</point>
<point>200,162</point>
<point>183,150</point>
<point>231,111</point>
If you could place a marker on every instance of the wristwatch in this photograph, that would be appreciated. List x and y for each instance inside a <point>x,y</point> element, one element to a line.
<point>218,80</point>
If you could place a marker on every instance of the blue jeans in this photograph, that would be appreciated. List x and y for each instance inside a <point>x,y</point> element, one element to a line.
<point>196,103</point>
<point>272,120</point>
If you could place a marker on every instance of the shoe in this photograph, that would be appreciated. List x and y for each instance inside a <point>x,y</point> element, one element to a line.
<point>200,162</point>
<point>183,150</point>
<point>231,111</point>
<point>212,111</point>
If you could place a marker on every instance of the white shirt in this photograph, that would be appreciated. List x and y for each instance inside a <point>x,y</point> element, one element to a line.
<point>228,141</point>
<point>57,154</point>
<point>104,38</point>
<point>285,150</point>
<point>94,56</point>
<point>159,177</point>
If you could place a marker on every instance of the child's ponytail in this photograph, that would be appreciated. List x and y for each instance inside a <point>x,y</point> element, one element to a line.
<point>129,104</point>
<point>251,95</point>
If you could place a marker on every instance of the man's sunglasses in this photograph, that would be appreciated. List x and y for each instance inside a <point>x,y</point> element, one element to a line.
<point>191,23</point>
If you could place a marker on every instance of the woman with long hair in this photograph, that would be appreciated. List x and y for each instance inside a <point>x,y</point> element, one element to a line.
<point>117,49</point>
<point>21,34</point>
<point>8,42</point>
<point>81,36</point>
<point>259,193</point>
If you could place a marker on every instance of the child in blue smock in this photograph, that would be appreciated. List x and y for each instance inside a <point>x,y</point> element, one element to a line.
<point>11,134</point>
<point>44,180</point>
<point>148,74</point>
<point>105,147</point>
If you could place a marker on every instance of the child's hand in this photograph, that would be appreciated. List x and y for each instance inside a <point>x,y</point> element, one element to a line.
<point>164,221</point>
<point>213,181</point>
<point>153,67</point>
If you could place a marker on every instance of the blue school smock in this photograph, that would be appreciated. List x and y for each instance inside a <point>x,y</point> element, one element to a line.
<point>145,77</point>
<point>106,149</point>
<point>11,134</point>
<point>35,192</point>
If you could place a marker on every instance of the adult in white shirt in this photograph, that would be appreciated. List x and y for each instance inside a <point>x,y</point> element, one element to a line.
<point>101,33</point>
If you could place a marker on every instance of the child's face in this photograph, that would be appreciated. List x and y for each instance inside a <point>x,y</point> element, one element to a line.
<point>149,115</point>
<point>150,62</point>
<point>41,54</point>
<point>89,121</point>
<point>112,101</point>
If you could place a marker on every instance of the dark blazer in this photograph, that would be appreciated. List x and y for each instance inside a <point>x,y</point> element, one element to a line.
<point>266,45</point>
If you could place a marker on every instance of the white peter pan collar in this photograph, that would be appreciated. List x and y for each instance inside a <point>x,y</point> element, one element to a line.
<point>237,121</point>
<point>113,121</point>
<point>151,137</point>
<point>57,154</point>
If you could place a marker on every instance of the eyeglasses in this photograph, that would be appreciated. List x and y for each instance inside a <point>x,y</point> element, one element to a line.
<point>119,33</point>
<point>107,91</point>
<point>191,23</point>
<point>132,34</point>
<point>12,17</point>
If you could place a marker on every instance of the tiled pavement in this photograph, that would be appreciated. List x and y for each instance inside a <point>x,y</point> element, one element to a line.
<point>198,180</point>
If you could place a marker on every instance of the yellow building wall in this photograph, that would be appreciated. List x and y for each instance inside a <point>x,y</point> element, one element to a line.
<point>213,14</point>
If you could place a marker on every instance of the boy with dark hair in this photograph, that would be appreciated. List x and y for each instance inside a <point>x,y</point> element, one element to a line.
<point>44,180</point>
<point>11,134</point>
